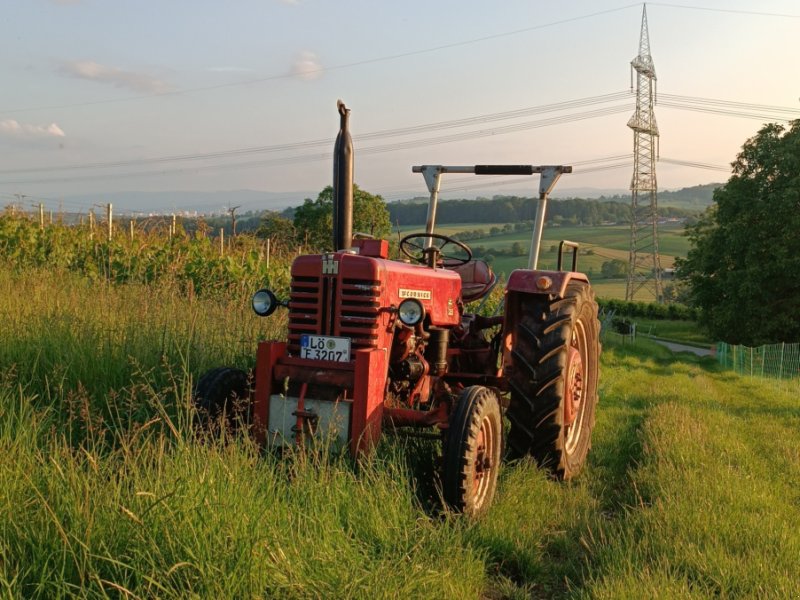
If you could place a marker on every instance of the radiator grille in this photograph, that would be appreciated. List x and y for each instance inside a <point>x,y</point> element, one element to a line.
<point>359,312</point>
<point>330,305</point>
<point>305,304</point>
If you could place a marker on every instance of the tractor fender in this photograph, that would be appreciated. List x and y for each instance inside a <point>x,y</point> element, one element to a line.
<point>524,287</point>
<point>551,283</point>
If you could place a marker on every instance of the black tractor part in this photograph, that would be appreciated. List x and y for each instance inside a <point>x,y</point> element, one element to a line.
<point>553,382</point>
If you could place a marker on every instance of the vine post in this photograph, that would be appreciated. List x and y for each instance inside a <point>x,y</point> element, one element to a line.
<point>109,213</point>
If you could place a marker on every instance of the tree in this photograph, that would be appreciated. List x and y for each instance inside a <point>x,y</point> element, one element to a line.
<point>279,230</point>
<point>614,269</point>
<point>313,221</point>
<point>743,268</point>
<point>370,214</point>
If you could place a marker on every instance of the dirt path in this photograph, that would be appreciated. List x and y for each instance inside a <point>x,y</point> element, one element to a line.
<point>684,348</point>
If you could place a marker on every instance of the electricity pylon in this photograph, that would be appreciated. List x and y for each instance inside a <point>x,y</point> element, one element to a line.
<point>644,264</point>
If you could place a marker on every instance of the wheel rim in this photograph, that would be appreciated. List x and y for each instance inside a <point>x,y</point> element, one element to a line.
<point>484,451</point>
<point>574,387</point>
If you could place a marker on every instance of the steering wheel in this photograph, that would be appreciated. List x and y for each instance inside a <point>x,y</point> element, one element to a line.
<point>413,246</point>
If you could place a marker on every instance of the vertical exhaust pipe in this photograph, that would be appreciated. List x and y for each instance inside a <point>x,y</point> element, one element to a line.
<point>343,182</point>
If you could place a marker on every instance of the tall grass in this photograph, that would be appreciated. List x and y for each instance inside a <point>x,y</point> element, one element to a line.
<point>714,503</point>
<point>105,491</point>
<point>165,516</point>
<point>102,350</point>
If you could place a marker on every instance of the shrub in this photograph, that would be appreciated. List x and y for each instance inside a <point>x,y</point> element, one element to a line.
<point>649,310</point>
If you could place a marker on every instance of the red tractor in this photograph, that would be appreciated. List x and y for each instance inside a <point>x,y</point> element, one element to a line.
<point>377,345</point>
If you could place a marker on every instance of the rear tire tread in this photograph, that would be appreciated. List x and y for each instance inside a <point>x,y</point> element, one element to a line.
<point>536,382</point>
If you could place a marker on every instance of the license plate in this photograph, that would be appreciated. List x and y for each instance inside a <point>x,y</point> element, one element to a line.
<point>325,347</point>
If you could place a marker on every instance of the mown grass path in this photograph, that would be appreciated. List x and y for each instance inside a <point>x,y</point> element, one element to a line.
<point>692,489</point>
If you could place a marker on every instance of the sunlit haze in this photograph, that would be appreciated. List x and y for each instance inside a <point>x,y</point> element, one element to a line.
<point>102,97</point>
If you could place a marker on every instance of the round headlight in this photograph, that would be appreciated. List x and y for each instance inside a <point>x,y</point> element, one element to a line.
<point>410,312</point>
<point>264,302</point>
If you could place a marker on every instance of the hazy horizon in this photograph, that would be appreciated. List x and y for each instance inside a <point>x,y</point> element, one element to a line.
<point>103,98</point>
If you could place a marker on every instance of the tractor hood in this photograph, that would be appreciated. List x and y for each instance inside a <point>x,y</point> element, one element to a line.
<point>350,286</point>
<point>355,296</point>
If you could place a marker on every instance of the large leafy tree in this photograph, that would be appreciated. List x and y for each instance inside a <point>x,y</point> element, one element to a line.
<point>743,268</point>
<point>313,221</point>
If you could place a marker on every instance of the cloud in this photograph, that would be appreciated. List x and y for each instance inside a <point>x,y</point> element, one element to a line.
<point>65,2</point>
<point>306,66</point>
<point>12,128</point>
<point>139,82</point>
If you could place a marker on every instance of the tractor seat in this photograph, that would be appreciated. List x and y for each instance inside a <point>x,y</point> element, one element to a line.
<point>477,279</point>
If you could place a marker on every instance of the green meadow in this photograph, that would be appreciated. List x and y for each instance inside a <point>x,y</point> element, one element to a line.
<point>692,488</point>
<point>598,245</point>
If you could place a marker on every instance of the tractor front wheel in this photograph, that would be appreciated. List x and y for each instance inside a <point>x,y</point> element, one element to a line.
<point>555,353</point>
<point>222,395</point>
<point>473,451</point>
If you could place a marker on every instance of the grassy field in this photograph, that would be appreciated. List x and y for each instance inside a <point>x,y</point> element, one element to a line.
<point>604,243</point>
<point>687,332</point>
<point>691,490</point>
<point>615,238</point>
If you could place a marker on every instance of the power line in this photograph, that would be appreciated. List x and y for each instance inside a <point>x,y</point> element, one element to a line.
<point>726,10</point>
<point>455,184</point>
<point>463,184</point>
<point>694,164</point>
<point>379,149</point>
<point>728,112</point>
<point>414,129</point>
<point>691,103</point>
<point>570,118</point>
<point>729,103</point>
<point>682,102</point>
<point>357,63</point>
<point>389,57</point>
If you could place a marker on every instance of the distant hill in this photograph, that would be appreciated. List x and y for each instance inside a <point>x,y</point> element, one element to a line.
<point>519,209</point>
<point>698,197</point>
<point>695,198</point>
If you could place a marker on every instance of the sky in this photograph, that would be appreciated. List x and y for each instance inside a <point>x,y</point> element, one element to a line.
<point>107,96</point>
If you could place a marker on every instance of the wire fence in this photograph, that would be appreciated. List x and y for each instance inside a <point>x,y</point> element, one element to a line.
<point>774,361</point>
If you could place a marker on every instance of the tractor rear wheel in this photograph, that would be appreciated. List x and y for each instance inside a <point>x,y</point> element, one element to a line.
<point>220,393</point>
<point>555,354</point>
<point>473,451</point>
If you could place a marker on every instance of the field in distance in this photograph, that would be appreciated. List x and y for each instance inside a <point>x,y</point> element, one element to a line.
<point>598,245</point>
